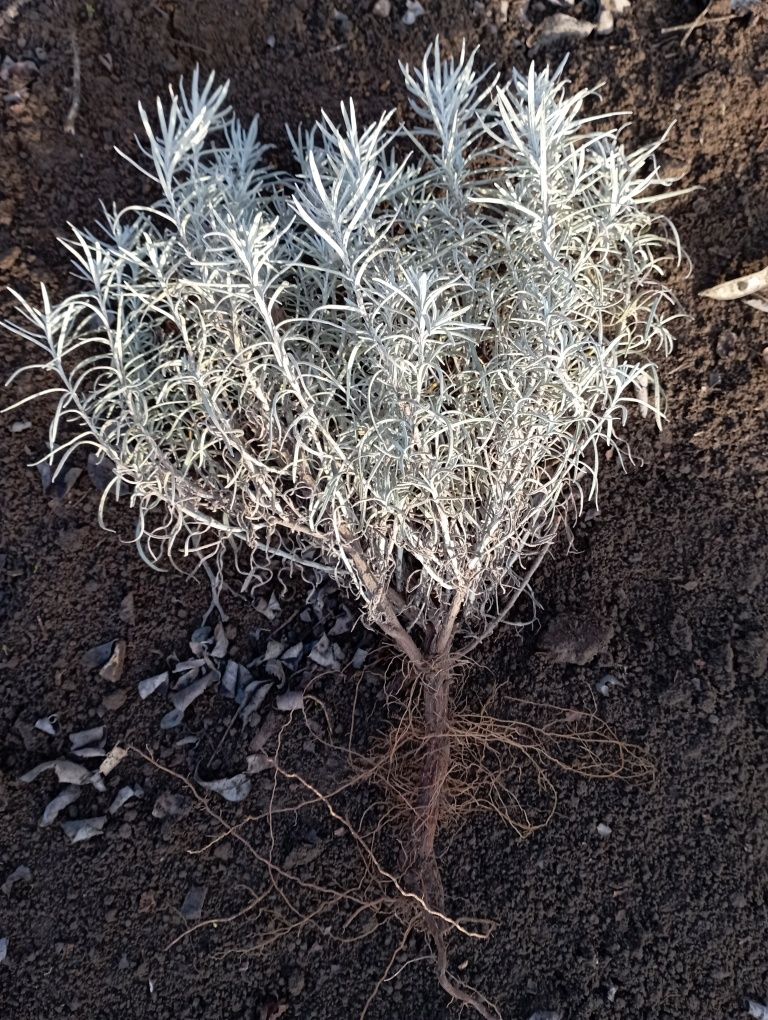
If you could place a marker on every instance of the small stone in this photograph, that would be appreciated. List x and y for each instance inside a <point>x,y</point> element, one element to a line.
<point>19,72</point>
<point>171,805</point>
<point>114,700</point>
<point>502,12</point>
<point>726,344</point>
<point>382,8</point>
<point>71,540</point>
<point>342,22</point>
<point>127,611</point>
<point>739,900</point>
<point>147,902</point>
<point>413,11</point>
<point>680,631</point>
<point>192,907</point>
<point>21,874</point>
<point>751,652</point>
<point>112,670</point>
<point>570,638</point>
<point>7,212</point>
<point>296,982</point>
<point>556,27</point>
<point>9,257</point>
<point>604,22</point>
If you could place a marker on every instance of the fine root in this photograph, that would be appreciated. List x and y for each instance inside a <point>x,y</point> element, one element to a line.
<point>439,763</point>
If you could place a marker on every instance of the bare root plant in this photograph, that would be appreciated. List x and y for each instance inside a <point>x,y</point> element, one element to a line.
<point>397,365</point>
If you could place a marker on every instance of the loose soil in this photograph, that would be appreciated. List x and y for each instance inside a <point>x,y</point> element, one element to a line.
<point>668,916</point>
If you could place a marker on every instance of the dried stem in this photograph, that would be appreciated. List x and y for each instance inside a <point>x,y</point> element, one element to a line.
<point>74,106</point>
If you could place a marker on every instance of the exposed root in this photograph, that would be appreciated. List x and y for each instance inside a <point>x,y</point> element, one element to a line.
<point>479,761</point>
<point>436,766</point>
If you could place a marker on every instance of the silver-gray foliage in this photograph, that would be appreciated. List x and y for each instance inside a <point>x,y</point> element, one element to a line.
<point>396,364</point>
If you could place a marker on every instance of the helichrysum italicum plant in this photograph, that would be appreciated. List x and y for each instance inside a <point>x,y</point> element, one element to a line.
<point>397,364</point>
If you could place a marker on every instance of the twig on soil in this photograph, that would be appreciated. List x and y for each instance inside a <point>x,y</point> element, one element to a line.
<point>699,21</point>
<point>69,122</point>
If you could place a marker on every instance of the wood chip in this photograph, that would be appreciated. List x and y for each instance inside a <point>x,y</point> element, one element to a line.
<point>113,669</point>
<point>113,759</point>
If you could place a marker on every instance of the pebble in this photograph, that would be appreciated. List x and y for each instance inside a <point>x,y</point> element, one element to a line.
<point>147,902</point>
<point>192,907</point>
<point>604,22</point>
<point>21,874</point>
<point>557,27</point>
<point>342,22</point>
<point>9,257</point>
<point>296,982</point>
<point>413,11</point>
<point>114,700</point>
<point>113,669</point>
<point>572,638</point>
<point>127,611</point>
<point>382,8</point>
<point>726,344</point>
<point>73,539</point>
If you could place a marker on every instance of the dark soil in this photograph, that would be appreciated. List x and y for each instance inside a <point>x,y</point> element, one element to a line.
<point>671,910</point>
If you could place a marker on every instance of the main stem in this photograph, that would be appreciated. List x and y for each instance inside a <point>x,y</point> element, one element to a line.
<point>434,672</point>
<point>436,681</point>
<point>436,677</point>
